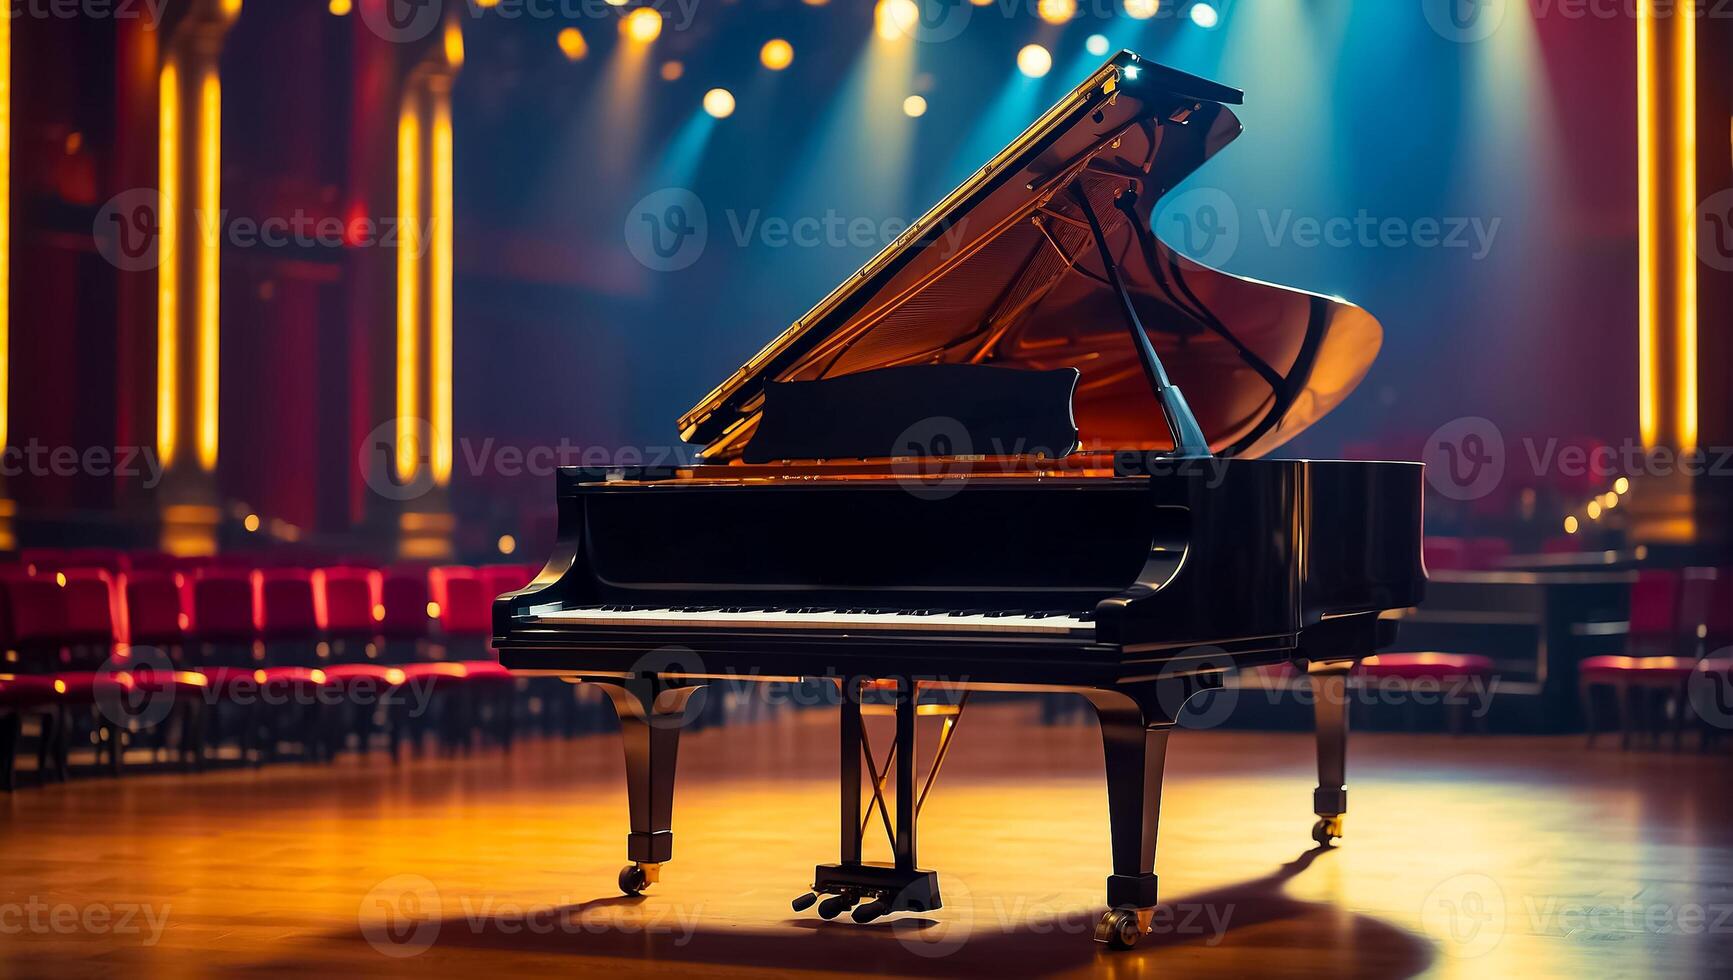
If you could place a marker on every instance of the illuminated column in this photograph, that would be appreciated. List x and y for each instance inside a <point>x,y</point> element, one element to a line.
<point>1684,162</point>
<point>8,508</point>
<point>189,256</point>
<point>423,401</point>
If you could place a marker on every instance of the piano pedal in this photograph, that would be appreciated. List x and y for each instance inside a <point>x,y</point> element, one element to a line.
<point>835,905</point>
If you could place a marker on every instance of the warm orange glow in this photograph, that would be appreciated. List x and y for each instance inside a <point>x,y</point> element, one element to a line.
<point>896,19</point>
<point>1571,524</point>
<point>5,215</point>
<point>1648,409</point>
<point>1622,485</point>
<point>433,610</point>
<point>168,264</point>
<point>642,25</point>
<point>776,54</point>
<point>231,8</point>
<point>672,70</point>
<point>453,44</point>
<point>378,612</point>
<point>1056,11</point>
<point>439,300</point>
<point>1141,9</point>
<point>250,522</point>
<point>1684,98</point>
<point>572,43</point>
<point>209,251</point>
<point>507,544</point>
<point>408,289</point>
<point>340,8</point>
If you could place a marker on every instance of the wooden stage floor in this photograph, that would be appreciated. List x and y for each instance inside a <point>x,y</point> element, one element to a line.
<point>1474,856</point>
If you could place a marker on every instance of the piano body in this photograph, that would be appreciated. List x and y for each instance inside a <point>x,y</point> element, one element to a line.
<point>969,468</point>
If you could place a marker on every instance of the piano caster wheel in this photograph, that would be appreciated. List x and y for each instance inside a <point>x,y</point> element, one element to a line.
<point>871,910</point>
<point>804,902</point>
<point>634,879</point>
<point>1327,830</point>
<point>835,905</point>
<point>1119,929</point>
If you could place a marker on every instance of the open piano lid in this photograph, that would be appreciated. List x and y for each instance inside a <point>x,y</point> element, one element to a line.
<point>1003,272</point>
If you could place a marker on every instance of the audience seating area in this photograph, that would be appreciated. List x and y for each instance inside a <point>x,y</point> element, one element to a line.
<point>1677,666</point>
<point>148,657</point>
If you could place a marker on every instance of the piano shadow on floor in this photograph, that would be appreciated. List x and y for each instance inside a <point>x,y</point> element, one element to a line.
<point>1265,930</point>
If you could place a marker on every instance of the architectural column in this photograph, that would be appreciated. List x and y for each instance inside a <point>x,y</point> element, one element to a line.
<point>422,441</point>
<point>1684,159</point>
<point>189,295</point>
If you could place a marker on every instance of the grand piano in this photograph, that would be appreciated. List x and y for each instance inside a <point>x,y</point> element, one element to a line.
<point>971,468</point>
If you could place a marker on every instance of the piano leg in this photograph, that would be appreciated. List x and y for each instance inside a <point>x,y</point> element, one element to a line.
<point>1330,713</point>
<point>1135,747</point>
<point>651,716</point>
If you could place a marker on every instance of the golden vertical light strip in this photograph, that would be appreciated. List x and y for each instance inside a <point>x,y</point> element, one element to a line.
<point>1648,421</point>
<point>1685,187</point>
<point>439,302</point>
<point>5,219</point>
<point>408,286</point>
<point>168,264</point>
<point>210,142</point>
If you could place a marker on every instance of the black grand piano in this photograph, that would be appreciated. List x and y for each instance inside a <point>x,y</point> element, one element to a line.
<point>970,468</point>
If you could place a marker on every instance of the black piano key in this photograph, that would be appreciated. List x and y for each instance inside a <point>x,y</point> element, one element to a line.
<point>995,613</point>
<point>968,612</point>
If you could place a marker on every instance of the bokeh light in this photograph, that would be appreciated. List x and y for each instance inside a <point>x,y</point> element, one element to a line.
<point>1034,60</point>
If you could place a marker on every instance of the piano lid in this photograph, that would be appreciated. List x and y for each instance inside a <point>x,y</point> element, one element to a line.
<point>1003,272</point>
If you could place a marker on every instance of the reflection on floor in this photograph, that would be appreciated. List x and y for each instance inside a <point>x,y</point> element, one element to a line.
<point>1470,856</point>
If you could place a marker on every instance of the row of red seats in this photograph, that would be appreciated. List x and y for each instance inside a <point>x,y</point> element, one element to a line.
<point>1680,627</point>
<point>71,636</point>
<point>221,604</point>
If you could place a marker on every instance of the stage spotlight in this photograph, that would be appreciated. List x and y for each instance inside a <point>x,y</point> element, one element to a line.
<point>1056,11</point>
<point>776,54</point>
<point>340,8</point>
<point>719,103</point>
<point>572,43</point>
<point>896,18</point>
<point>1141,9</point>
<point>914,106</point>
<point>1205,15</point>
<point>1034,61</point>
<point>672,70</point>
<point>642,25</point>
<point>1096,45</point>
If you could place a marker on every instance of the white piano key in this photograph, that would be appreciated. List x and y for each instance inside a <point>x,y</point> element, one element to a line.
<point>896,622</point>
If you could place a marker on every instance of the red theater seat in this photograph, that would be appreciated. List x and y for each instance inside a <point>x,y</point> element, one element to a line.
<point>1445,554</point>
<point>1448,671</point>
<point>1650,670</point>
<point>154,609</point>
<point>404,597</point>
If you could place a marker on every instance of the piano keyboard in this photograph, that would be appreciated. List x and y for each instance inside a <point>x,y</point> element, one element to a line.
<point>1055,623</point>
